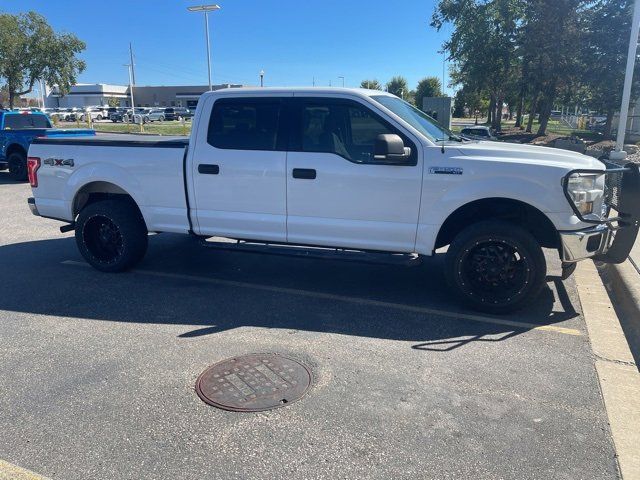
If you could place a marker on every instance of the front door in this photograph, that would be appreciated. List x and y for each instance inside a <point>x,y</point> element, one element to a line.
<point>337,193</point>
<point>239,177</point>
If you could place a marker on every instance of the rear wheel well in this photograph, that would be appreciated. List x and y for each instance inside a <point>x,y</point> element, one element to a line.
<point>16,148</point>
<point>512,211</point>
<point>98,191</point>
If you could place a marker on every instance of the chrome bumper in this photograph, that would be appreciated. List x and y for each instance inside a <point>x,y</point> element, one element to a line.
<point>32,206</point>
<point>585,244</point>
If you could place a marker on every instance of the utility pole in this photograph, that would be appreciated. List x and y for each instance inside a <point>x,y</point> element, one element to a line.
<point>133,70</point>
<point>43,87</point>
<point>619,153</point>
<point>133,105</point>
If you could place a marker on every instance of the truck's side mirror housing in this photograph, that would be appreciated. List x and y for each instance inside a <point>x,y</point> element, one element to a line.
<point>389,148</point>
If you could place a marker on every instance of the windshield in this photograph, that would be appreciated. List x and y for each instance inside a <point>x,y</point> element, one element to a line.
<point>416,118</point>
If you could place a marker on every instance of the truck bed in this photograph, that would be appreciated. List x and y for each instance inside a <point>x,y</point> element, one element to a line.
<point>117,140</point>
<point>149,168</point>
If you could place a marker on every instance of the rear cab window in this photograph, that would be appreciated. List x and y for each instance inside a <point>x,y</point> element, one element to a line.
<point>246,124</point>
<point>24,121</point>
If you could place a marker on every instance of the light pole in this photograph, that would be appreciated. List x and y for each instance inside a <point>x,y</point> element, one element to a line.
<point>342,78</point>
<point>206,9</point>
<point>619,153</point>
<point>261,78</point>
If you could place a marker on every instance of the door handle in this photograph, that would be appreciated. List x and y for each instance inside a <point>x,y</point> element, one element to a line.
<point>209,169</point>
<point>304,173</point>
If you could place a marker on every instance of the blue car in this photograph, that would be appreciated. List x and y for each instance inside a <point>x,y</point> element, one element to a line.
<point>17,131</point>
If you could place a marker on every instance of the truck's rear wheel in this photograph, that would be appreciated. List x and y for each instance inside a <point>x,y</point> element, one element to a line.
<point>496,267</point>
<point>17,166</point>
<point>111,235</point>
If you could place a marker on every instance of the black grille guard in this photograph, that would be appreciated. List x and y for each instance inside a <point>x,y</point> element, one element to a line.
<point>622,194</point>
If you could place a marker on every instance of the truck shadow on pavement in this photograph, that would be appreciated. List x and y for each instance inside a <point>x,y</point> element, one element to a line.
<point>181,283</point>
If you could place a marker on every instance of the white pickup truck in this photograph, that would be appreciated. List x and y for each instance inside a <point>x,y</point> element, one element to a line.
<point>344,169</point>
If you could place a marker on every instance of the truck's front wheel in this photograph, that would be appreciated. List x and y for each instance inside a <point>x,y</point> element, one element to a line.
<point>111,235</point>
<point>495,266</point>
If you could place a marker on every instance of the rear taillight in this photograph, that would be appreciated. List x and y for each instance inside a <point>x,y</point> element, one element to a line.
<point>33,164</point>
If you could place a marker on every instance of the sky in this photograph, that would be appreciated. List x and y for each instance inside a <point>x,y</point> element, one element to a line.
<point>293,41</point>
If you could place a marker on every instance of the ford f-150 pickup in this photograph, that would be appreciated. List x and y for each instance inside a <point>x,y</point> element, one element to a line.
<point>17,131</point>
<point>344,169</point>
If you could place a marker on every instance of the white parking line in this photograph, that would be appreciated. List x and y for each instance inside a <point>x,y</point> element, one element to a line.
<point>353,300</point>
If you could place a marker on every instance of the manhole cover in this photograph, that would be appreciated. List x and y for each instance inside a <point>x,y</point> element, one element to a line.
<point>254,383</point>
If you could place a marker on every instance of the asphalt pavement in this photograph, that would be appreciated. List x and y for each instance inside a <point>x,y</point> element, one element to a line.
<point>97,371</point>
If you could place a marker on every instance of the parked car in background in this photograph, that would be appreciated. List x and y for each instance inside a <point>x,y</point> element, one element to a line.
<point>157,115</point>
<point>343,169</point>
<point>95,113</point>
<point>18,130</point>
<point>477,133</point>
<point>177,113</point>
<point>141,115</point>
<point>181,112</point>
<point>117,114</point>
<point>70,114</point>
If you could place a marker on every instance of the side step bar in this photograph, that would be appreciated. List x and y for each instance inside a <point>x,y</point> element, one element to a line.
<point>359,256</point>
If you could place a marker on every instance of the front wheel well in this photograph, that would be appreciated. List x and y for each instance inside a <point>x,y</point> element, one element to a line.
<point>509,210</point>
<point>98,191</point>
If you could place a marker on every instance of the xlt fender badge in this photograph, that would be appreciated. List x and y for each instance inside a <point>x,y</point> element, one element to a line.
<point>59,162</point>
<point>446,171</point>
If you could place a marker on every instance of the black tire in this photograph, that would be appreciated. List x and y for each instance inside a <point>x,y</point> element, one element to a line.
<point>111,235</point>
<point>496,266</point>
<point>17,166</point>
<point>99,118</point>
<point>161,119</point>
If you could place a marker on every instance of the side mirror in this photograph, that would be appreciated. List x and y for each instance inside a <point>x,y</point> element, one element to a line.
<point>389,148</point>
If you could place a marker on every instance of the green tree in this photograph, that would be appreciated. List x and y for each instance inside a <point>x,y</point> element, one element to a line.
<point>30,50</point>
<point>4,96</point>
<point>607,27</point>
<point>113,102</point>
<point>398,86</point>
<point>482,46</point>
<point>551,42</point>
<point>428,87</point>
<point>371,84</point>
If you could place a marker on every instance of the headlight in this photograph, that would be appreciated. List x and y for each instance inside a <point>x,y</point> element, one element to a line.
<point>585,191</point>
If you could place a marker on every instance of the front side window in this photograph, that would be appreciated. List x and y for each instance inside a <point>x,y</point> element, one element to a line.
<point>239,124</point>
<point>346,129</point>
<point>416,118</point>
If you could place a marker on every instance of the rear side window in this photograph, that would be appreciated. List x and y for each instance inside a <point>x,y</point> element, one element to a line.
<point>17,122</point>
<point>244,124</point>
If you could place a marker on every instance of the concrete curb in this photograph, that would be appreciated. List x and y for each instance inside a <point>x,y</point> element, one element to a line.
<point>615,365</point>
<point>624,283</point>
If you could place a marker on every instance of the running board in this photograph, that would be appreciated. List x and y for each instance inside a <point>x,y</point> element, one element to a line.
<point>348,255</point>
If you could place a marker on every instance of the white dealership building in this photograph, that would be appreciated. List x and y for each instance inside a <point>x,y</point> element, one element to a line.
<point>86,95</point>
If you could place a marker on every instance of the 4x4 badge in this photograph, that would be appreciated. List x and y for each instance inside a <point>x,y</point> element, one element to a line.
<point>58,162</point>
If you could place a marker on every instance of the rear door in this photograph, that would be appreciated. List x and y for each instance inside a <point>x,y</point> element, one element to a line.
<point>239,175</point>
<point>337,193</point>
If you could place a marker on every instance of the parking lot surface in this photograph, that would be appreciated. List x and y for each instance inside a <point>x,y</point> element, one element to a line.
<point>97,372</point>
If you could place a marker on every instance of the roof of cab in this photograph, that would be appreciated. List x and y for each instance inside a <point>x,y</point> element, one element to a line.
<point>21,112</point>
<point>242,91</point>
